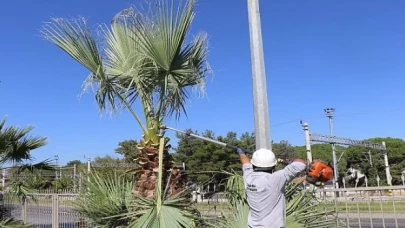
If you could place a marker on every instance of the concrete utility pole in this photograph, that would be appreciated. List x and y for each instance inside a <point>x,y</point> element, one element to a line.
<point>74,176</point>
<point>57,164</point>
<point>88,168</point>
<point>387,167</point>
<point>260,103</point>
<point>329,113</point>
<point>88,164</point>
<point>307,143</point>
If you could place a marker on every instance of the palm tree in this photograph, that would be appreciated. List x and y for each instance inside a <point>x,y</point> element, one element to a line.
<point>143,57</point>
<point>15,148</point>
<point>16,145</point>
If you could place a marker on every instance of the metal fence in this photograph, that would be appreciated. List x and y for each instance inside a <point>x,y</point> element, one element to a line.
<point>48,210</point>
<point>372,207</point>
<point>366,206</point>
<point>361,207</point>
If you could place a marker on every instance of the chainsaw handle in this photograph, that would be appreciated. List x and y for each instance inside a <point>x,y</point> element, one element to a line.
<point>284,161</point>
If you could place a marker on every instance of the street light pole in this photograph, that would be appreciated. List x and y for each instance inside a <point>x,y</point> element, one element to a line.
<point>260,103</point>
<point>329,113</point>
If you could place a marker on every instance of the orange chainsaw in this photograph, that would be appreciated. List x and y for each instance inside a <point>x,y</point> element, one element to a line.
<point>318,172</point>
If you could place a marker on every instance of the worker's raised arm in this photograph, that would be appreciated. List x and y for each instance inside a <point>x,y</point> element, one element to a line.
<point>242,156</point>
<point>299,160</point>
<point>247,167</point>
<point>295,168</point>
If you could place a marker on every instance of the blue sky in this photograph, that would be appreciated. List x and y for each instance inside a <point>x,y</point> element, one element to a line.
<point>343,54</point>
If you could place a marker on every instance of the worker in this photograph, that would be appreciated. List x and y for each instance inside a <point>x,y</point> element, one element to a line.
<point>265,187</point>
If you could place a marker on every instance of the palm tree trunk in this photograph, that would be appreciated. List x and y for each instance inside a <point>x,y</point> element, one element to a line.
<point>156,165</point>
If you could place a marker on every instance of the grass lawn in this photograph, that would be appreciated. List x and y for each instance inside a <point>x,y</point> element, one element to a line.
<point>367,207</point>
<point>213,206</point>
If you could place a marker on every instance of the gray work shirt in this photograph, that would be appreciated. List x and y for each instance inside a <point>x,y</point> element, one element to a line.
<point>265,194</point>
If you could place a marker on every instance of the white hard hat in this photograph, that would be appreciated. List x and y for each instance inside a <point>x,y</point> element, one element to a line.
<point>264,158</point>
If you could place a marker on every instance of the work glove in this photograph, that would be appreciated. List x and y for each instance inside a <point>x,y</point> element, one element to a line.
<point>284,161</point>
<point>240,151</point>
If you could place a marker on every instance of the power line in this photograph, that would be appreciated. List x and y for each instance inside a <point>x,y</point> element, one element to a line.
<point>373,112</point>
<point>348,114</point>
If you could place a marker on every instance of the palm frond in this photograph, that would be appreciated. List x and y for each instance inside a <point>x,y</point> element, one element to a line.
<point>105,200</point>
<point>175,212</point>
<point>174,64</point>
<point>302,209</point>
<point>125,62</point>
<point>239,218</point>
<point>12,223</point>
<point>235,188</point>
<point>189,71</point>
<point>76,39</point>
<point>16,144</point>
<point>2,123</point>
<point>20,191</point>
<point>45,165</point>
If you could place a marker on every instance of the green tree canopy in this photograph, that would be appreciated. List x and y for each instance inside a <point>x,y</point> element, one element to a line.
<point>74,162</point>
<point>284,150</point>
<point>113,166</point>
<point>359,158</point>
<point>372,164</point>
<point>202,157</point>
<point>107,159</point>
<point>128,149</point>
